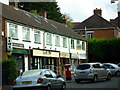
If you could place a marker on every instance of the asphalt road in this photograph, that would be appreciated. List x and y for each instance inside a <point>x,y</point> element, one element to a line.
<point>113,84</point>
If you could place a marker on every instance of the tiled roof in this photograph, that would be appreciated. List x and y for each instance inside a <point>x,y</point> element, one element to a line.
<point>26,18</point>
<point>95,21</point>
<point>115,21</point>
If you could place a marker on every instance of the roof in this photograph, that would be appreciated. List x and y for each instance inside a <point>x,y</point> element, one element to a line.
<point>114,21</point>
<point>23,17</point>
<point>95,21</point>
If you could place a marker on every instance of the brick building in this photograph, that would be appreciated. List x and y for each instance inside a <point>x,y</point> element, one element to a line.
<point>97,27</point>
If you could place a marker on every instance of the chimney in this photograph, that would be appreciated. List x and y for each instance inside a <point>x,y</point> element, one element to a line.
<point>64,19</point>
<point>15,4</point>
<point>44,14</point>
<point>98,12</point>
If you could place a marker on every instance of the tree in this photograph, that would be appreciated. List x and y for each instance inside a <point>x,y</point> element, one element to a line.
<point>52,9</point>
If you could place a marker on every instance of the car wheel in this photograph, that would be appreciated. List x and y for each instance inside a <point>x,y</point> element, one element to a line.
<point>48,87</point>
<point>94,79</point>
<point>77,80</point>
<point>109,77</point>
<point>118,74</point>
<point>63,86</point>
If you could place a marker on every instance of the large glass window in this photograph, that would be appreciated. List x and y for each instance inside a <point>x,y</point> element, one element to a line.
<point>49,39</point>
<point>13,31</point>
<point>72,44</point>
<point>90,35</point>
<point>37,36</point>
<point>64,42</point>
<point>26,33</point>
<point>57,40</point>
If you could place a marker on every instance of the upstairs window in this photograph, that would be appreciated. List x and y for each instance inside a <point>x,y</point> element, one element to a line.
<point>26,33</point>
<point>83,45</point>
<point>57,41</point>
<point>72,44</point>
<point>37,36</point>
<point>64,42</point>
<point>13,31</point>
<point>90,34</point>
<point>49,39</point>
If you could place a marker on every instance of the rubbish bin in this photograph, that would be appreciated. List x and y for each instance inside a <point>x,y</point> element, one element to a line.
<point>68,72</point>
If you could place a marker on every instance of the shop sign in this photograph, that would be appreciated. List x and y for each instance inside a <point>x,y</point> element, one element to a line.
<point>79,46</point>
<point>45,53</point>
<point>65,55</point>
<point>19,51</point>
<point>18,45</point>
<point>74,56</point>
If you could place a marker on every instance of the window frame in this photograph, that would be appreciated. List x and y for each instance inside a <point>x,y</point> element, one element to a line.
<point>49,39</point>
<point>57,40</point>
<point>64,42</point>
<point>26,33</point>
<point>37,34</point>
<point>72,44</point>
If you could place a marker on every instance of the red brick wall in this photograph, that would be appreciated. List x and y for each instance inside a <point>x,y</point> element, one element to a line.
<point>109,34</point>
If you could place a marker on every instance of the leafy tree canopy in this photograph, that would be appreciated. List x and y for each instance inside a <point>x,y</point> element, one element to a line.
<point>52,9</point>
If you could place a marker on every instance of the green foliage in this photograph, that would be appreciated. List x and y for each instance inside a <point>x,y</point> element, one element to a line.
<point>104,50</point>
<point>10,65</point>
<point>52,9</point>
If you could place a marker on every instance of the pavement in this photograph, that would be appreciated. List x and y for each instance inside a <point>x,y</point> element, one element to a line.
<point>68,81</point>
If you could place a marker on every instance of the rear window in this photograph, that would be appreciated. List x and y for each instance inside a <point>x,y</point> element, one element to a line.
<point>31,73</point>
<point>83,66</point>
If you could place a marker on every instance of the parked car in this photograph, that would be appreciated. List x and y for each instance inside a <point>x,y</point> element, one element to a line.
<point>118,65</point>
<point>39,78</point>
<point>115,69</point>
<point>91,71</point>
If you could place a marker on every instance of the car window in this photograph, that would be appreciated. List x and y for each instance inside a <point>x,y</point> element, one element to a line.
<point>83,66</point>
<point>96,66</point>
<point>109,66</point>
<point>47,74</point>
<point>53,74</point>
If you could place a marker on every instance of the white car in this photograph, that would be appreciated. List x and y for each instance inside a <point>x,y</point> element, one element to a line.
<point>91,71</point>
<point>115,69</point>
<point>39,79</point>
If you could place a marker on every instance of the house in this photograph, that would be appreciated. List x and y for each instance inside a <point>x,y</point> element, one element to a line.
<point>37,42</point>
<point>97,27</point>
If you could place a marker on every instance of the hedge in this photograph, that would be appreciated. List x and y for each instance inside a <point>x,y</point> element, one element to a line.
<point>10,66</point>
<point>104,50</point>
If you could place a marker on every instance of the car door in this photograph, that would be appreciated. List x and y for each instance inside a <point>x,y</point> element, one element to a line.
<point>104,71</point>
<point>56,81</point>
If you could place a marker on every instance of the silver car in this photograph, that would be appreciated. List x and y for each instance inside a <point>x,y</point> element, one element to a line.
<point>115,69</point>
<point>39,78</point>
<point>91,71</point>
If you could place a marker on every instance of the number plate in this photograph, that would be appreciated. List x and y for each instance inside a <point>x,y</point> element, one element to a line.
<point>26,82</point>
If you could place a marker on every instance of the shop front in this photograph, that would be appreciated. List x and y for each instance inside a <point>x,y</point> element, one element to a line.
<point>64,59</point>
<point>74,61</point>
<point>45,59</point>
<point>20,57</point>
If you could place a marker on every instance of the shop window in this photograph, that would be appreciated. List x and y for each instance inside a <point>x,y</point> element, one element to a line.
<point>26,33</point>
<point>64,42</point>
<point>72,44</point>
<point>49,39</point>
<point>57,41</point>
<point>13,30</point>
<point>37,36</point>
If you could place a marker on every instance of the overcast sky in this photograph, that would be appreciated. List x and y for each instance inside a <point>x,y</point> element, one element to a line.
<point>80,10</point>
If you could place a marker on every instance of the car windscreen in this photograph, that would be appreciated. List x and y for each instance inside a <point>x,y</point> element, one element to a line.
<point>31,73</point>
<point>83,66</point>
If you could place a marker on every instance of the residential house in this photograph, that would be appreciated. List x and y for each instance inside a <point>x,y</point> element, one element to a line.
<point>37,42</point>
<point>97,27</point>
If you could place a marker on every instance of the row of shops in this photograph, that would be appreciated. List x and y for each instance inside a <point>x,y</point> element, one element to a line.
<point>39,59</point>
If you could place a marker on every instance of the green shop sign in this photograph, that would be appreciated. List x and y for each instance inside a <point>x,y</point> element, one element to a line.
<point>19,51</point>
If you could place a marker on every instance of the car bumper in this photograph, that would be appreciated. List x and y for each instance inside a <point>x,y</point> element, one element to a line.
<point>84,77</point>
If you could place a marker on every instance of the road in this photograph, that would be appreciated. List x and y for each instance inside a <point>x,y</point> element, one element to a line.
<point>113,84</point>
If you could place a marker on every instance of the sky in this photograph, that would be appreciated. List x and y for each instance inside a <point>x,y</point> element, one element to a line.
<point>79,10</point>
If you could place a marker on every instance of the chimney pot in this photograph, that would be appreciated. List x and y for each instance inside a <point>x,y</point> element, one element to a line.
<point>44,14</point>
